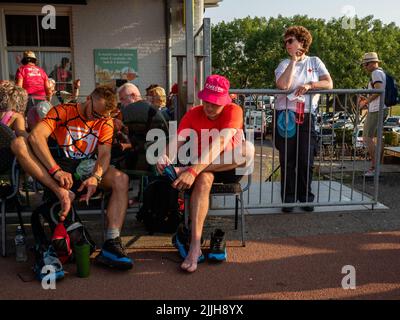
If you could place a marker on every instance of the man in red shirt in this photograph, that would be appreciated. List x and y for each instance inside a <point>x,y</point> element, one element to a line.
<point>216,135</point>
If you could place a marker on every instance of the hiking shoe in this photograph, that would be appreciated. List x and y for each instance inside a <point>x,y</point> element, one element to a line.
<point>113,255</point>
<point>47,257</point>
<point>217,246</point>
<point>308,209</point>
<point>181,240</point>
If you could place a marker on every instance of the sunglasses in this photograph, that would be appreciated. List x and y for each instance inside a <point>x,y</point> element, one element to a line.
<point>289,41</point>
<point>97,115</point>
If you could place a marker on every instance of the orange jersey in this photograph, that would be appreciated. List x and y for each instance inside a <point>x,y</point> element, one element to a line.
<point>77,137</point>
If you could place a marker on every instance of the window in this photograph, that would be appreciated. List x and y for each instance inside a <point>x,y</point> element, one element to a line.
<point>51,46</point>
<point>24,30</point>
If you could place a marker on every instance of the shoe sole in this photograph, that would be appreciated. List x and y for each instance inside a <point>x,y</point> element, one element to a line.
<point>113,264</point>
<point>220,257</point>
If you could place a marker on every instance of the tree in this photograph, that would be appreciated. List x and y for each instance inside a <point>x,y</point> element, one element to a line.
<point>248,50</point>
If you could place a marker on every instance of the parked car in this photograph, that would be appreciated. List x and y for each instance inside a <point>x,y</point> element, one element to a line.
<point>327,135</point>
<point>256,120</point>
<point>393,121</point>
<point>391,129</point>
<point>358,141</point>
<point>343,124</point>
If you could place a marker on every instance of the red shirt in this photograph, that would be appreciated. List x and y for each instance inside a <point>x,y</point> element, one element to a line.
<point>231,117</point>
<point>34,79</point>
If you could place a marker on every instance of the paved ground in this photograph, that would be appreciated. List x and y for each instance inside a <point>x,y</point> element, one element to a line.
<point>287,256</point>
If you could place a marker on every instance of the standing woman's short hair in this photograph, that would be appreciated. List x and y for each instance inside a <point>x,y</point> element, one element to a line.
<point>301,34</point>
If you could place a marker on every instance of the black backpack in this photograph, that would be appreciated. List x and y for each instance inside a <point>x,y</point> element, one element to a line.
<point>73,224</point>
<point>391,91</point>
<point>160,211</point>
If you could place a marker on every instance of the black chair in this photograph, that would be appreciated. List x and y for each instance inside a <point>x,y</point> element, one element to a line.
<point>226,189</point>
<point>9,177</point>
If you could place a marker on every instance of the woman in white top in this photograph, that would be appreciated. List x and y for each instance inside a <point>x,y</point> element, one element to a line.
<point>299,74</point>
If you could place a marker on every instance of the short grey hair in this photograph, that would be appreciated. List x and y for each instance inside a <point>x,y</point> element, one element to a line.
<point>12,97</point>
<point>129,87</point>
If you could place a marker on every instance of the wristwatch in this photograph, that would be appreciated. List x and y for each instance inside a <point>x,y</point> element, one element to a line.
<point>98,178</point>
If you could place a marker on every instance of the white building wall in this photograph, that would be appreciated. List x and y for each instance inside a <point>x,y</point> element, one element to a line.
<point>126,24</point>
<point>179,31</point>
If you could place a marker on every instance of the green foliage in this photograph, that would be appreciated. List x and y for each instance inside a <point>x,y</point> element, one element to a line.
<point>391,139</point>
<point>348,136</point>
<point>396,110</point>
<point>248,50</point>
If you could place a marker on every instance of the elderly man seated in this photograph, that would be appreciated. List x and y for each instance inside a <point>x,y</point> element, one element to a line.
<point>139,116</point>
<point>80,132</point>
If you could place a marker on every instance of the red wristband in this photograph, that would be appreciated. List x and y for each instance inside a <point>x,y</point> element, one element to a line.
<point>53,170</point>
<point>192,172</point>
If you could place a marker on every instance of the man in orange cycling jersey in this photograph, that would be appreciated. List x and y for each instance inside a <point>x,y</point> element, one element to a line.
<point>80,132</point>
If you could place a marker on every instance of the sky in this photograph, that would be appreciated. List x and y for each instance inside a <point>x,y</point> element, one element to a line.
<point>385,10</point>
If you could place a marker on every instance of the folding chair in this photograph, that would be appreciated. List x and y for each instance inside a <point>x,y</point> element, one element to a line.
<point>226,189</point>
<point>9,177</point>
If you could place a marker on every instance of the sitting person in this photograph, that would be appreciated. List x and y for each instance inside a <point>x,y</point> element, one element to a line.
<point>217,114</point>
<point>37,113</point>
<point>158,98</point>
<point>13,101</point>
<point>139,117</point>
<point>60,96</point>
<point>80,131</point>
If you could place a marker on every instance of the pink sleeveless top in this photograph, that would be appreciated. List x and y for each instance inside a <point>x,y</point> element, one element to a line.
<point>7,117</point>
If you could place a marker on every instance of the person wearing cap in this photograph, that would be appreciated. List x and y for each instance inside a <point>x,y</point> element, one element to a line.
<point>295,135</point>
<point>370,62</point>
<point>33,79</point>
<point>220,116</point>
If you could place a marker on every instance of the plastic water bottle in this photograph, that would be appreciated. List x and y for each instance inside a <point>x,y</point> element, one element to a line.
<point>300,112</point>
<point>84,169</point>
<point>20,246</point>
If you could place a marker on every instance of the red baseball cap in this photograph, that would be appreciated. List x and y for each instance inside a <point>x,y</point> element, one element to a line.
<point>216,90</point>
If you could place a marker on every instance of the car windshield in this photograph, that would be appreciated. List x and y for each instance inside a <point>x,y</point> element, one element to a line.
<point>326,131</point>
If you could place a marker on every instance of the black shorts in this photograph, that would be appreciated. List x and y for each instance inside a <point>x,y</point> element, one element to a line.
<point>227,176</point>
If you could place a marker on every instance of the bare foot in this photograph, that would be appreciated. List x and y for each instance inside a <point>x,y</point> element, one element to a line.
<point>66,197</point>
<point>190,263</point>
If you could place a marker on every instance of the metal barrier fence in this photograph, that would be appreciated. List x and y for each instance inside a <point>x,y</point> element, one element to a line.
<point>341,157</point>
<point>337,177</point>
